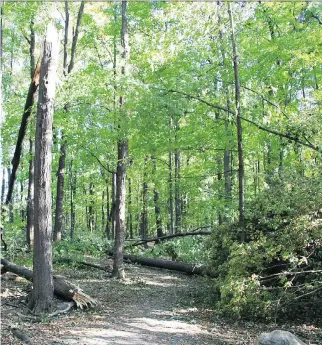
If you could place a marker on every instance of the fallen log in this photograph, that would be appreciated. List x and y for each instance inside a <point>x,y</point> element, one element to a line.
<point>168,237</point>
<point>170,265</point>
<point>62,287</point>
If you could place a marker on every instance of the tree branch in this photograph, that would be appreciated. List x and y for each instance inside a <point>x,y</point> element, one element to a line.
<point>98,160</point>
<point>282,135</point>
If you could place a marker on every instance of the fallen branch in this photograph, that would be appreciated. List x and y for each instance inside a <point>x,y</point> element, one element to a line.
<point>20,335</point>
<point>62,287</point>
<point>168,237</point>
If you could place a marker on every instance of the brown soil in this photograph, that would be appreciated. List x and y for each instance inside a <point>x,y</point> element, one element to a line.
<point>151,306</point>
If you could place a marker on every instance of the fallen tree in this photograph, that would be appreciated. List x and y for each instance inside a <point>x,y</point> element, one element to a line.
<point>62,287</point>
<point>168,237</point>
<point>170,265</point>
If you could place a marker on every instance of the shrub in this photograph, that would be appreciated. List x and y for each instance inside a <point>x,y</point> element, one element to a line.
<point>271,273</point>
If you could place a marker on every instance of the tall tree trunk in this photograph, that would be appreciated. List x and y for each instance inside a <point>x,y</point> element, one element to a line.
<point>241,177</point>
<point>103,211</point>
<point>91,219</point>
<point>32,94</point>
<point>122,156</point>
<point>43,289</point>
<point>177,194</point>
<point>171,210</point>
<point>227,152</point>
<point>130,222</point>
<point>10,206</point>
<point>144,212</point>
<point>108,217</point>
<point>22,209</point>
<point>3,185</point>
<point>72,198</point>
<point>31,182</point>
<point>59,218</point>
<point>120,217</point>
<point>113,208</point>
<point>157,210</point>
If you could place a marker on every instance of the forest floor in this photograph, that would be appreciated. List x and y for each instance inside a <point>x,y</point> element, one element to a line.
<point>151,306</point>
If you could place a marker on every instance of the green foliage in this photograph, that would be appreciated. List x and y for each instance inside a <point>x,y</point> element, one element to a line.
<point>187,249</point>
<point>260,278</point>
<point>85,244</point>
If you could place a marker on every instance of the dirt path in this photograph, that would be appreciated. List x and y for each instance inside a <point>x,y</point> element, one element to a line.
<point>150,307</point>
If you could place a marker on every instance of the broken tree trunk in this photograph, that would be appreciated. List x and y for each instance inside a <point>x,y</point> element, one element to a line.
<point>31,96</point>
<point>168,237</point>
<point>62,287</point>
<point>170,265</point>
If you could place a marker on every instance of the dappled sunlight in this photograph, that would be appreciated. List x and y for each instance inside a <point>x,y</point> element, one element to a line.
<point>100,336</point>
<point>170,326</point>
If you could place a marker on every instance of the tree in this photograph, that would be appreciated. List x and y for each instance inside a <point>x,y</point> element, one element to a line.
<point>42,293</point>
<point>122,157</point>
<point>241,169</point>
<point>59,218</point>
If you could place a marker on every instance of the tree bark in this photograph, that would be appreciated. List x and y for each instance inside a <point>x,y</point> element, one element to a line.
<point>122,156</point>
<point>120,217</point>
<point>144,212</point>
<point>108,217</point>
<point>157,210</point>
<point>59,217</point>
<point>112,212</point>
<point>75,37</point>
<point>91,219</point>
<point>32,45</point>
<point>171,211</point>
<point>3,185</point>
<point>241,177</point>
<point>72,198</point>
<point>177,194</point>
<point>42,294</point>
<point>130,223</point>
<point>171,265</point>
<point>31,182</point>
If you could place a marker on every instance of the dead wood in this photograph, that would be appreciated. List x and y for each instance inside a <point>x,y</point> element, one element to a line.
<point>20,335</point>
<point>170,265</point>
<point>62,287</point>
<point>30,100</point>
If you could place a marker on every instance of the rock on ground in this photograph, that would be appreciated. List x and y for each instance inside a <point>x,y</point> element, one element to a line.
<point>279,337</point>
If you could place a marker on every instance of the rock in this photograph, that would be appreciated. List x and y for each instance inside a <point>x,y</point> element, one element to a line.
<point>279,337</point>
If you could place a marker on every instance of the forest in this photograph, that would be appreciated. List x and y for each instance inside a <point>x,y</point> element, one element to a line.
<point>161,155</point>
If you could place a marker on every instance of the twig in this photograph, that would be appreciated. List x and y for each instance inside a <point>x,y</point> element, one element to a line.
<point>98,160</point>
<point>287,273</point>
